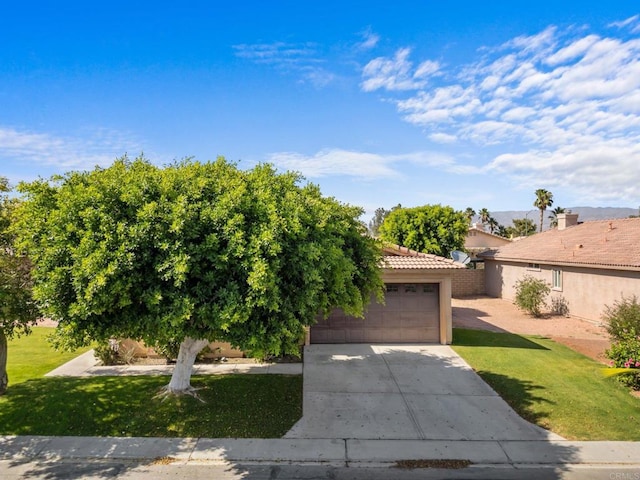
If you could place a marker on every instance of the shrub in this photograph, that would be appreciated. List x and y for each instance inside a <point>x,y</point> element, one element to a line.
<point>626,354</point>
<point>531,295</point>
<point>560,306</point>
<point>623,319</point>
<point>623,325</point>
<point>107,352</point>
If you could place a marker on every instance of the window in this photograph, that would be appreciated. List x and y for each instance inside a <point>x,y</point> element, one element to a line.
<point>392,288</point>
<point>428,288</point>
<point>533,266</point>
<point>556,279</point>
<point>410,288</point>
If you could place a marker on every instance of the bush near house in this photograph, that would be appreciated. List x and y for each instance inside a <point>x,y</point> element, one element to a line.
<point>531,294</point>
<point>623,325</point>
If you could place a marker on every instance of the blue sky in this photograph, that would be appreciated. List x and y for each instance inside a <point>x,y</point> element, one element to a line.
<point>459,103</point>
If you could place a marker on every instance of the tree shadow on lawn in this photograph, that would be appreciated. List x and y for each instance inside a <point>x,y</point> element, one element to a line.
<point>480,338</point>
<point>234,406</point>
<point>520,395</point>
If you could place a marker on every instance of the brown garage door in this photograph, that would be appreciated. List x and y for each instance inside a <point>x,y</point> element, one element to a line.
<point>411,314</point>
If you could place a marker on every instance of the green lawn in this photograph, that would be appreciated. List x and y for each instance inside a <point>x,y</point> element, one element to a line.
<point>551,385</point>
<point>31,356</point>
<point>251,406</point>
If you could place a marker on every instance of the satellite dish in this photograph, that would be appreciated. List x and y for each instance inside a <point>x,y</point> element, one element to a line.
<point>460,257</point>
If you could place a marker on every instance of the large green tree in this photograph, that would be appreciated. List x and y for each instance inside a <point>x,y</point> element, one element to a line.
<point>522,227</point>
<point>17,308</point>
<point>378,217</point>
<point>433,229</point>
<point>194,252</point>
<point>544,199</point>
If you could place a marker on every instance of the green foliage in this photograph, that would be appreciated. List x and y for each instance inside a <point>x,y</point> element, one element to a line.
<point>623,325</point>
<point>623,319</point>
<point>107,353</point>
<point>625,354</point>
<point>200,250</point>
<point>522,227</point>
<point>17,308</point>
<point>429,229</point>
<point>531,294</point>
<point>378,218</point>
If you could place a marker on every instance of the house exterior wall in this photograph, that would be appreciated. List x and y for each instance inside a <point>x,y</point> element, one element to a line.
<point>467,282</point>
<point>478,239</point>
<point>587,291</point>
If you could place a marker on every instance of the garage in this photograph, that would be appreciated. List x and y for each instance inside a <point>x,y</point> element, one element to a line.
<point>417,306</point>
<point>410,315</point>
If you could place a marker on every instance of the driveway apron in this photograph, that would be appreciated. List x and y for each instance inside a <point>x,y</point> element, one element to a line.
<point>426,392</point>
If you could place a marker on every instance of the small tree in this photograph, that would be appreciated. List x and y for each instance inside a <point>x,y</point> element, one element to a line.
<point>17,309</point>
<point>378,218</point>
<point>195,253</point>
<point>623,325</point>
<point>433,229</point>
<point>531,294</point>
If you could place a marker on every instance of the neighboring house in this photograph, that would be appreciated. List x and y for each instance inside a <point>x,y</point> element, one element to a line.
<point>417,305</point>
<point>479,241</point>
<point>590,265</point>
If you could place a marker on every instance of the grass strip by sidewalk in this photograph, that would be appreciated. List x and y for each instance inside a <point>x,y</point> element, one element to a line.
<point>551,385</point>
<point>249,406</point>
<point>31,356</point>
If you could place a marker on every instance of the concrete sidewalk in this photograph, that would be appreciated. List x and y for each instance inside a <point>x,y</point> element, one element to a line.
<point>334,452</point>
<point>86,365</point>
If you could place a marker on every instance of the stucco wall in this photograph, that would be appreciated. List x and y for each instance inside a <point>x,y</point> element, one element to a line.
<point>587,290</point>
<point>478,239</point>
<point>467,282</point>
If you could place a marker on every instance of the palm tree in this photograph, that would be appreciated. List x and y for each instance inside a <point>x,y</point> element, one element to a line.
<point>469,213</point>
<point>554,216</point>
<point>493,224</point>
<point>544,199</point>
<point>485,215</point>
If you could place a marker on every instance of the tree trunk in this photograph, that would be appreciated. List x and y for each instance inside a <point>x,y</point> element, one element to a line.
<point>181,377</point>
<point>4,378</point>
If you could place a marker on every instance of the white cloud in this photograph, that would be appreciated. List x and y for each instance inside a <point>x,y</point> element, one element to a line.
<point>634,21</point>
<point>563,104</point>
<point>440,137</point>
<point>397,73</point>
<point>369,40</point>
<point>96,147</point>
<point>364,165</point>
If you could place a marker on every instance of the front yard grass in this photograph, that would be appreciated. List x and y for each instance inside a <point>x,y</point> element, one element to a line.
<point>250,406</point>
<point>551,385</point>
<point>31,356</point>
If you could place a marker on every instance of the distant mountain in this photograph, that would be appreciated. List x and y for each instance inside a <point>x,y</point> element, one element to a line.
<point>584,214</point>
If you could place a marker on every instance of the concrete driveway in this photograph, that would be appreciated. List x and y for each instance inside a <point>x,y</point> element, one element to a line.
<point>422,392</point>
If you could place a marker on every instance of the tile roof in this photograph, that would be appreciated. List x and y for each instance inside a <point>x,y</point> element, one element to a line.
<point>599,244</point>
<point>397,257</point>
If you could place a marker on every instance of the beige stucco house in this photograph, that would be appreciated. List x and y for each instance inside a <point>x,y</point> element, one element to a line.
<point>417,305</point>
<point>591,264</point>
<point>478,241</point>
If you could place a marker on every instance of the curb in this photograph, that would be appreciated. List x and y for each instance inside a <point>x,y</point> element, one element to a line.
<point>333,452</point>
